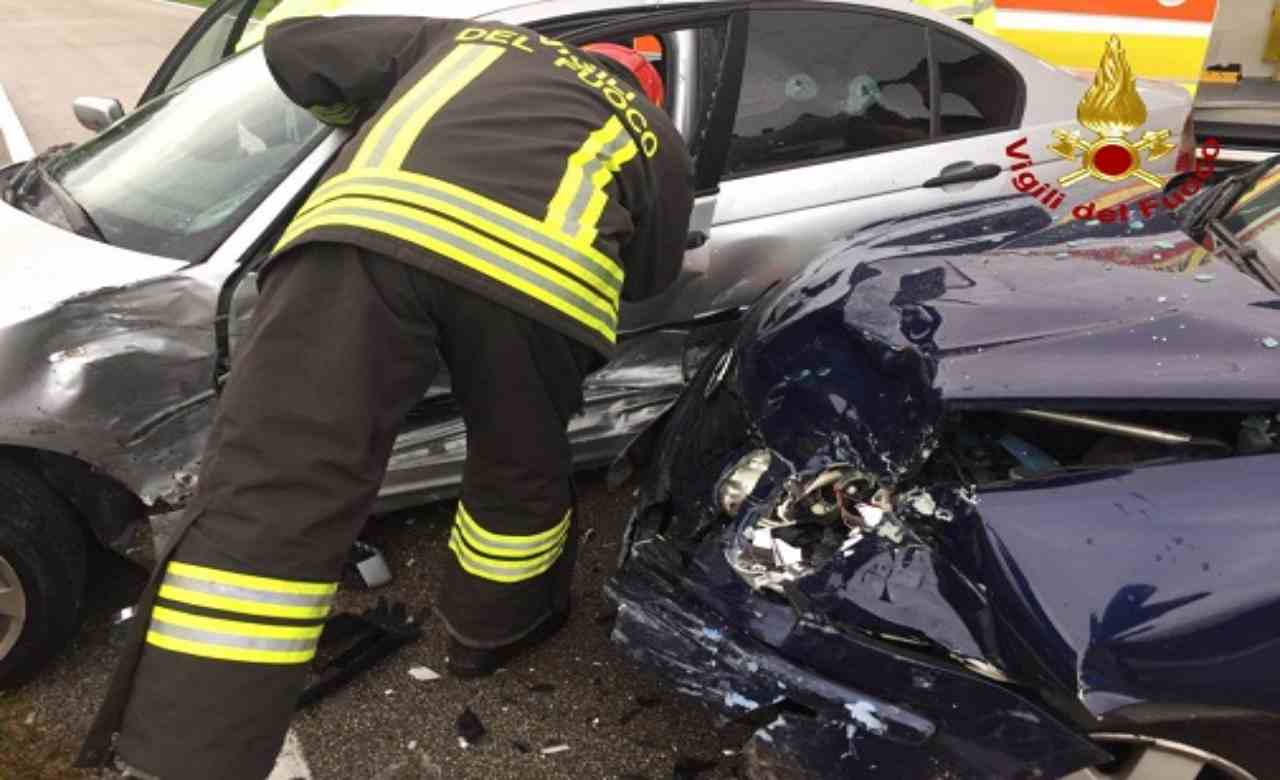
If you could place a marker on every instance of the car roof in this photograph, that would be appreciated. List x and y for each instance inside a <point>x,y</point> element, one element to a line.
<point>531,10</point>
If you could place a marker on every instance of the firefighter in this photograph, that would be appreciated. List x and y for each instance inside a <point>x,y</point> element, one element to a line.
<point>503,192</point>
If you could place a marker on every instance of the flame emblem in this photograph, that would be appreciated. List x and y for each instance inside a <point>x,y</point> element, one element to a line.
<point>1112,108</point>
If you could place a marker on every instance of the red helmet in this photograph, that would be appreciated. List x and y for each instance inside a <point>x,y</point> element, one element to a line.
<point>635,62</point>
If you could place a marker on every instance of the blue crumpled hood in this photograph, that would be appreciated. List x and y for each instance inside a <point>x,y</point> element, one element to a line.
<point>856,360</point>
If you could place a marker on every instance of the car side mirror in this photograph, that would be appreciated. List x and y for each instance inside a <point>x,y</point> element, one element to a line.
<point>97,113</point>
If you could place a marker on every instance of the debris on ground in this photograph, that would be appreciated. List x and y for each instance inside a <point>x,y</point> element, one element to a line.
<point>419,766</point>
<point>367,638</point>
<point>689,767</point>
<point>423,674</point>
<point>470,729</point>
<point>370,565</point>
<point>551,750</point>
<point>643,702</point>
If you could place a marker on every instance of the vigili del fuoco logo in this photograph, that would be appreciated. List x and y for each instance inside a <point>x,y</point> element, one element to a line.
<point>1110,110</point>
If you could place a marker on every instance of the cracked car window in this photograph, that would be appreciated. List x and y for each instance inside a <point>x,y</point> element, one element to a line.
<point>822,83</point>
<point>175,177</point>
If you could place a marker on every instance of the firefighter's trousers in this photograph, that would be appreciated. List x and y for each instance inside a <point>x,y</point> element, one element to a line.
<point>344,344</point>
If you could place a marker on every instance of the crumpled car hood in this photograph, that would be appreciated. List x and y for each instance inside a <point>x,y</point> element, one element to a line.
<point>42,265</point>
<point>1021,325</point>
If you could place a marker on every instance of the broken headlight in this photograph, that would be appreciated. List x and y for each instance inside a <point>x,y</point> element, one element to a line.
<point>741,480</point>
<point>807,522</point>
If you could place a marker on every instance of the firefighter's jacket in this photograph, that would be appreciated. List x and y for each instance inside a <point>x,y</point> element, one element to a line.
<point>507,162</point>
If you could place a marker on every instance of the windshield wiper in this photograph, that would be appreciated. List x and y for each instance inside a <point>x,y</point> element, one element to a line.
<point>22,183</point>
<point>21,192</point>
<point>1222,197</point>
<point>1244,258</point>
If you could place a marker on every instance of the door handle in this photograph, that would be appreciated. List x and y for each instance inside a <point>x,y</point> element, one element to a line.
<point>959,173</point>
<point>695,239</point>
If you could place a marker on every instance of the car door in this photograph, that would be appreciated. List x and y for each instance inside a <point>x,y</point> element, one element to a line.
<point>837,126</point>
<point>214,36</point>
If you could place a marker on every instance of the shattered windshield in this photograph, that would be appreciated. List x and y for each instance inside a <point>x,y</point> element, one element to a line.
<point>175,177</point>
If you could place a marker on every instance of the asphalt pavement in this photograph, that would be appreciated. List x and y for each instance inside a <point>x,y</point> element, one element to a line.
<point>57,50</point>
<point>577,691</point>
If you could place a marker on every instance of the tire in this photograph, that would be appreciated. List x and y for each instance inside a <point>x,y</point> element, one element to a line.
<point>42,573</point>
<point>1204,750</point>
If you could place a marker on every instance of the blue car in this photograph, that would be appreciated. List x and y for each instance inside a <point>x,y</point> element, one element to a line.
<point>983,502</point>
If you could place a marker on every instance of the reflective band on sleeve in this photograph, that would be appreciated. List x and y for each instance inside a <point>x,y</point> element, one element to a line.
<point>232,640</point>
<point>482,213</point>
<point>579,200</point>
<point>234,592</point>
<point>472,249</point>
<point>340,114</point>
<point>390,139</point>
<point>501,545</point>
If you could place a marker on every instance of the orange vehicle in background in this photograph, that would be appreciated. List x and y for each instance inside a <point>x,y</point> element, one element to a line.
<point>1166,40</point>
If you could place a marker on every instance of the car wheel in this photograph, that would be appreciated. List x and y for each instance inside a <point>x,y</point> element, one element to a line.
<point>42,573</point>
<point>1219,750</point>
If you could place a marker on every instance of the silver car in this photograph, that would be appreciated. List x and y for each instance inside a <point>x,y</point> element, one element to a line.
<point>806,120</point>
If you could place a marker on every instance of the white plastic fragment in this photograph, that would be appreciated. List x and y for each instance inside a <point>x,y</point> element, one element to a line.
<point>864,714</point>
<point>31,719</point>
<point>735,699</point>
<point>785,554</point>
<point>553,749</point>
<point>413,744</point>
<point>1270,342</point>
<point>762,538</point>
<point>871,515</point>
<point>423,674</point>
<point>388,691</point>
<point>1205,277</point>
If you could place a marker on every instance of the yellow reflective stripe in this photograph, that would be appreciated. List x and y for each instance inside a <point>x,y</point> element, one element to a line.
<point>383,132</point>
<point>533,240</point>
<point>390,139</point>
<point>241,605</point>
<point>228,653</point>
<point>486,56</point>
<point>209,574</point>
<point>575,178</point>
<point>504,545</point>
<point>235,627</point>
<point>499,570</point>
<point>471,249</point>
<point>497,211</point>
<point>596,202</point>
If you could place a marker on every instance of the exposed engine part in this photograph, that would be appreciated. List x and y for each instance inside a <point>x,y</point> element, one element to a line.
<point>1175,438</point>
<point>813,521</point>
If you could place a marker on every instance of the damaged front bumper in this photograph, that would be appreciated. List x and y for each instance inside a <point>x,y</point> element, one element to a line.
<point>700,627</point>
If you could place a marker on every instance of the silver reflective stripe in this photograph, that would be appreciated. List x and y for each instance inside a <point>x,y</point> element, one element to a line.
<point>438,76</point>
<point>581,261</point>
<point>586,187</point>
<point>232,640</point>
<point>245,594</point>
<point>606,317</point>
